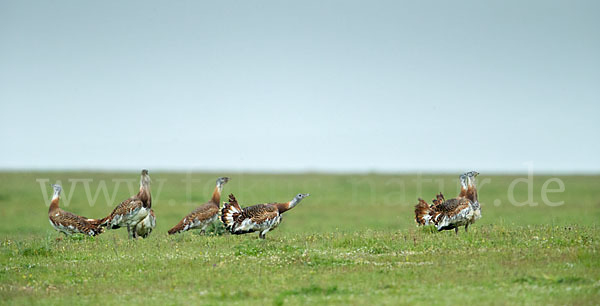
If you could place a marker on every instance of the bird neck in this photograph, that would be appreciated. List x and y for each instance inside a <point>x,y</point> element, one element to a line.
<point>293,202</point>
<point>463,187</point>
<point>282,207</point>
<point>463,191</point>
<point>54,203</point>
<point>472,191</point>
<point>216,197</point>
<point>144,193</point>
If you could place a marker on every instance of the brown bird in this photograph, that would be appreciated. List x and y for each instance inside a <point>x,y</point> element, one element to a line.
<point>69,223</point>
<point>453,213</point>
<point>204,215</point>
<point>260,218</point>
<point>133,210</point>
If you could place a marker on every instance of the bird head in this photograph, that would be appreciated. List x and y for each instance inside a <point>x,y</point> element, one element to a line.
<point>222,181</point>
<point>57,188</point>
<point>301,196</point>
<point>472,173</point>
<point>145,179</point>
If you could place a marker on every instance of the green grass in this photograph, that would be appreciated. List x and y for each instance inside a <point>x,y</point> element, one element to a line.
<point>352,242</point>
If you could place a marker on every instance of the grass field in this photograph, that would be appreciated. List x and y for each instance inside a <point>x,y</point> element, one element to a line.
<point>354,241</point>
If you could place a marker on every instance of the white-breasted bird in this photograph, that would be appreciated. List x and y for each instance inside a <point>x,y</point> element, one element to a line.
<point>204,215</point>
<point>69,223</point>
<point>260,218</point>
<point>463,210</point>
<point>133,210</point>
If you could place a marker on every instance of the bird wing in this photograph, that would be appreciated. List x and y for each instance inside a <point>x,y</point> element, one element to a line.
<point>453,206</point>
<point>123,209</point>
<point>200,214</point>
<point>251,217</point>
<point>204,212</point>
<point>452,213</point>
<point>75,223</point>
<point>261,213</point>
<point>127,206</point>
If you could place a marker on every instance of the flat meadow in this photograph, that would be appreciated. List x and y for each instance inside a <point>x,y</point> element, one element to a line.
<point>353,241</point>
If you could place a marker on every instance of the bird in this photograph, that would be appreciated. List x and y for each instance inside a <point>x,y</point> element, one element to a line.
<point>453,213</point>
<point>260,218</point>
<point>69,223</point>
<point>204,215</point>
<point>133,210</point>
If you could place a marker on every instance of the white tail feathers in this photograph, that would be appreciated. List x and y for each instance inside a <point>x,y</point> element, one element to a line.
<point>423,213</point>
<point>230,211</point>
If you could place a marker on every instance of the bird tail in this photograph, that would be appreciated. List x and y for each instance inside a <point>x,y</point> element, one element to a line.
<point>423,213</point>
<point>97,229</point>
<point>439,199</point>
<point>95,222</point>
<point>93,227</point>
<point>107,222</point>
<point>230,212</point>
<point>177,228</point>
<point>104,221</point>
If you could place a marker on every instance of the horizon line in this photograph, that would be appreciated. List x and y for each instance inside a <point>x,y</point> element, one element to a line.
<point>299,171</point>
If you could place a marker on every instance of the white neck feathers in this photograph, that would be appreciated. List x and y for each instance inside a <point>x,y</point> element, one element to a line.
<point>293,203</point>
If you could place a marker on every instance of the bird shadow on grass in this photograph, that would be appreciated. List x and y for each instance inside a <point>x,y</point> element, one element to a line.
<point>214,229</point>
<point>429,229</point>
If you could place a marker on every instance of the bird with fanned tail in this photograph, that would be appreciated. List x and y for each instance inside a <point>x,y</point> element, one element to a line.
<point>463,210</point>
<point>69,223</point>
<point>260,218</point>
<point>133,211</point>
<point>204,215</point>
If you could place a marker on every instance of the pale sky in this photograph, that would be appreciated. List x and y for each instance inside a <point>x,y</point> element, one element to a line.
<point>351,86</point>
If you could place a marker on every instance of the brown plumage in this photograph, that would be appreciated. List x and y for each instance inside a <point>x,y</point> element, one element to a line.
<point>453,213</point>
<point>204,215</point>
<point>471,192</point>
<point>422,212</point>
<point>133,210</point>
<point>69,223</point>
<point>257,218</point>
<point>439,199</point>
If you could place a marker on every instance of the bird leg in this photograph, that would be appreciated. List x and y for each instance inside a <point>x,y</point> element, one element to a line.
<point>263,234</point>
<point>129,231</point>
<point>456,231</point>
<point>466,227</point>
